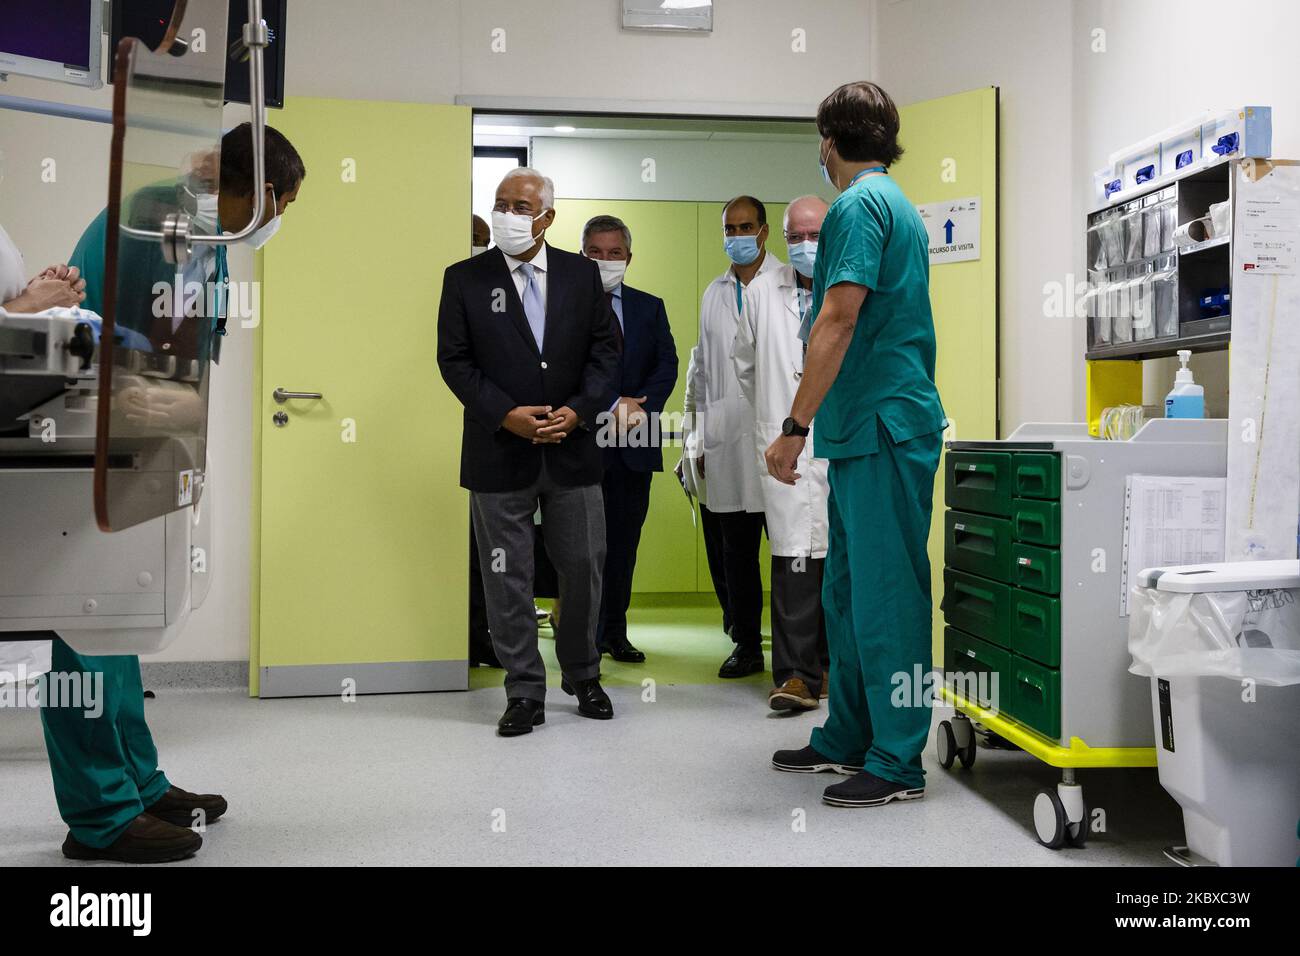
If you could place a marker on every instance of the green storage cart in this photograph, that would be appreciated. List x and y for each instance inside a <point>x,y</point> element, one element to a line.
<point>1035,645</point>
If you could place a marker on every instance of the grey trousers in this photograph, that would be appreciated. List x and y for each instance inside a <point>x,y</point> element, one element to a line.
<point>798,627</point>
<point>573,527</point>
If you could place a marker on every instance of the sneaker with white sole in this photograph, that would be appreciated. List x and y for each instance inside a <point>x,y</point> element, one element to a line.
<point>808,760</point>
<point>865,789</point>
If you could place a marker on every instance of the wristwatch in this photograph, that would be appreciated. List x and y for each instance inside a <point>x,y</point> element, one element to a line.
<point>792,427</point>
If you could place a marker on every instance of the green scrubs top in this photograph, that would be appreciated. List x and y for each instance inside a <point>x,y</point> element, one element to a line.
<point>874,237</point>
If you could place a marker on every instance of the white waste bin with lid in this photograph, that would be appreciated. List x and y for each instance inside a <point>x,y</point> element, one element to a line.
<point>1221,644</point>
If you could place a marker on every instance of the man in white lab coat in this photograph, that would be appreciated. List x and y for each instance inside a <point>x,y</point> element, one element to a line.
<point>768,356</point>
<point>718,433</point>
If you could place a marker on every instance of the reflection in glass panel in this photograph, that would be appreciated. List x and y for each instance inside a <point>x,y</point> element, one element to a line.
<point>165,163</point>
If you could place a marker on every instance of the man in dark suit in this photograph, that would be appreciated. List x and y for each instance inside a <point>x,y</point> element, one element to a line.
<point>646,377</point>
<point>526,342</point>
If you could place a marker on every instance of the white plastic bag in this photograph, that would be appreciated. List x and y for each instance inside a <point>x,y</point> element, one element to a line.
<point>1243,635</point>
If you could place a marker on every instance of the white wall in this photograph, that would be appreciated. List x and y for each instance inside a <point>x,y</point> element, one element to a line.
<point>930,48</point>
<point>1065,108</point>
<point>427,51</point>
<point>1135,87</point>
<point>690,170</point>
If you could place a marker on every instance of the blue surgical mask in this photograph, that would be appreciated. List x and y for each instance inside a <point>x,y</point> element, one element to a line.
<point>742,250</point>
<point>803,255</point>
<point>821,166</point>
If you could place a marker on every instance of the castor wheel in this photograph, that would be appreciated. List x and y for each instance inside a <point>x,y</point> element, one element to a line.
<point>1076,834</point>
<point>1050,822</point>
<point>946,745</point>
<point>964,733</point>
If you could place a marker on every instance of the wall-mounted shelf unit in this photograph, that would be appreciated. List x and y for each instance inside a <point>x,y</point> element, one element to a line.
<point>1146,297</point>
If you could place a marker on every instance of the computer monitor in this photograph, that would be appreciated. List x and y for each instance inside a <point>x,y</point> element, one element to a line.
<point>53,40</point>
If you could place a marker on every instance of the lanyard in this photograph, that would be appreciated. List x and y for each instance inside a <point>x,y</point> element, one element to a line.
<point>861,173</point>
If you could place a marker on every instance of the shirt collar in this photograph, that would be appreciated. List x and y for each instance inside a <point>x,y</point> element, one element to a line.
<point>538,261</point>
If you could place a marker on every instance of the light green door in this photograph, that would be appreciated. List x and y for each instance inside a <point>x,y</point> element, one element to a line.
<point>951,152</point>
<point>361,529</point>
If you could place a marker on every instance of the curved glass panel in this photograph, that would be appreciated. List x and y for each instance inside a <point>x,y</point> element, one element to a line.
<point>160,315</point>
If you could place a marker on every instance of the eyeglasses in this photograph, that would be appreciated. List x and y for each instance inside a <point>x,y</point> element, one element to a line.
<point>520,208</point>
<point>794,238</point>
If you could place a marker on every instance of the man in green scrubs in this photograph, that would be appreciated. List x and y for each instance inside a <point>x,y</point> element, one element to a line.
<point>117,803</point>
<point>869,381</point>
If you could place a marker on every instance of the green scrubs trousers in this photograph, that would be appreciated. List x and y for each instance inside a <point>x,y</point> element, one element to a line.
<point>105,767</point>
<point>876,594</point>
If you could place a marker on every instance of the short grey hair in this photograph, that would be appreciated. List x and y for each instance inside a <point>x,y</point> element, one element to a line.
<point>548,187</point>
<point>607,224</point>
<point>785,217</point>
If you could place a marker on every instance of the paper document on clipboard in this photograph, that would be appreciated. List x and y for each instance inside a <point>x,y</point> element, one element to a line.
<point>1170,521</point>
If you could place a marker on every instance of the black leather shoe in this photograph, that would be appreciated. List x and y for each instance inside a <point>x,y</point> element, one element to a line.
<point>521,716</point>
<point>623,651</point>
<point>742,663</point>
<point>146,840</point>
<point>593,702</point>
<point>181,808</point>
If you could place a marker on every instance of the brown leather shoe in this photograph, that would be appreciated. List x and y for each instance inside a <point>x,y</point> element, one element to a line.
<point>146,840</point>
<point>184,809</point>
<point>792,695</point>
<point>826,685</point>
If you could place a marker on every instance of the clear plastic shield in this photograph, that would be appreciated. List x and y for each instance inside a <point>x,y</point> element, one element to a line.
<point>160,307</point>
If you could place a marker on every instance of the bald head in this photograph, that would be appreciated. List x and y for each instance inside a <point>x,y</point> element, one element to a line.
<point>804,216</point>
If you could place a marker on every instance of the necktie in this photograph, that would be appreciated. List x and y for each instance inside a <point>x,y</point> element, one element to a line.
<point>534,307</point>
<point>618,326</point>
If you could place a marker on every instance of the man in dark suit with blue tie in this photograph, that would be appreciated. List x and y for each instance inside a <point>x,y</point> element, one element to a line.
<point>646,377</point>
<point>527,342</point>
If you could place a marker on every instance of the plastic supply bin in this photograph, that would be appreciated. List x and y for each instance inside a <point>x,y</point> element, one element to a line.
<point>1221,644</point>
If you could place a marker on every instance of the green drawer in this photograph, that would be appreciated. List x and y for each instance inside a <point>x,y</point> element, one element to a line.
<point>975,669</point>
<point>1036,696</point>
<point>977,605</point>
<point>1038,569</point>
<point>1036,626</point>
<point>980,544</point>
<point>1037,475</point>
<point>978,481</point>
<point>1036,521</point>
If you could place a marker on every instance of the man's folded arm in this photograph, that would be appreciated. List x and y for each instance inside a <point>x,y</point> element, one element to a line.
<point>481,397</point>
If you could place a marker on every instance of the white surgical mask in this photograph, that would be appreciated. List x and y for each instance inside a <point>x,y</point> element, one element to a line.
<point>205,215</point>
<point>513,233</point>
<point>264,233</point>
<point>477,251</point>
<point>611,272</point>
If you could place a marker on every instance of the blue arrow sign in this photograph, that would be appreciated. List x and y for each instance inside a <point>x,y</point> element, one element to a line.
<point>947,233</point>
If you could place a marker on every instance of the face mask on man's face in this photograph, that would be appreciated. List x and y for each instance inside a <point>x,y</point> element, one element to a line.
<point>514,232</point>
<point>742,250</point>
<point>263,234</point>
<point>803,256</point>
<point>611,272</point>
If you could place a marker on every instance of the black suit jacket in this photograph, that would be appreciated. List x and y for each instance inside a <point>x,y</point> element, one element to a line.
<point>489,359</point>
<point>648,367</point>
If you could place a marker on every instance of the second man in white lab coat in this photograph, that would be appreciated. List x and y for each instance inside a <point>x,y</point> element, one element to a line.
<point>768,355</point>
<point>719,437</point>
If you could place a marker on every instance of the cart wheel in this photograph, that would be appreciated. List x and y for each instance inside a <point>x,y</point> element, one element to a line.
<point>967,754</point>
<point>1076,834</point>
<point>946,744</point>
<point>1050,822</point>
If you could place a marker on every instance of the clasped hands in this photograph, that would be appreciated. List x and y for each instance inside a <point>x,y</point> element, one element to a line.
<point>541,424</point>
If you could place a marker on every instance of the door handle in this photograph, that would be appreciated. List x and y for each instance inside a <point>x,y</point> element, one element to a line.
<point>282,396</point>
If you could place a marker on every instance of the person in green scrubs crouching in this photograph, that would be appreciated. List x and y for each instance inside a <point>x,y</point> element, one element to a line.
<point>117,803</point>
<point>869,381</point>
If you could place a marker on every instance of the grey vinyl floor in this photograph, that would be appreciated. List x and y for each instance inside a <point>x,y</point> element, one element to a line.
<point>422,779</point>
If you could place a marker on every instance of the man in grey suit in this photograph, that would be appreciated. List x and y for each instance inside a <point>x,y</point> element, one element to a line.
<point>526,342</point>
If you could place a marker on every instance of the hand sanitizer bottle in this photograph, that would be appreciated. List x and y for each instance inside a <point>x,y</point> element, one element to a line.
<point>1186,399</point>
